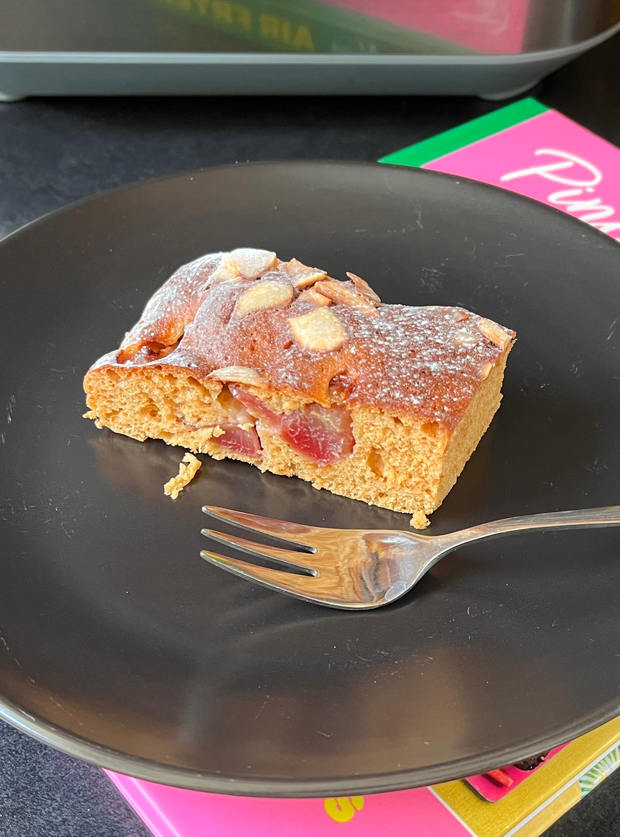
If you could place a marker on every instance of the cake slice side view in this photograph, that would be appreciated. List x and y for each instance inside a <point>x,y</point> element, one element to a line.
<point>245,356</point>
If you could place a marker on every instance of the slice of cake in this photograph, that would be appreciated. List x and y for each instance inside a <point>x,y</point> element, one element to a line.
<point>242,355</point>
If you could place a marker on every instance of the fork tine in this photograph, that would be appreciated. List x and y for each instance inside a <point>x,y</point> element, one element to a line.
<point>286,557</point>
<point>293,534</point>
<point>283,582</point>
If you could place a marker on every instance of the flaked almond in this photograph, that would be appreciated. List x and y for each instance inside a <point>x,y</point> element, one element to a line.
<point>303,276</point>
<point>494,332</point>
<point>465,338</point>
<point>251,263</point>
<point>485,370</point>
<point>312,295</point>
<point>364,288</point>
<point>265,294</point>
<point>225,273</point>
<point>343,294</point>
<point>238,375</point>
<point>319,330</point>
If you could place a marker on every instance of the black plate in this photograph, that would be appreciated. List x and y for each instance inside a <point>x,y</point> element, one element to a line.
<point>119,645</point>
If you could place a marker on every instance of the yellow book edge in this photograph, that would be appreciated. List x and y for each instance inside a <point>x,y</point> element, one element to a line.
<point>547,794</point>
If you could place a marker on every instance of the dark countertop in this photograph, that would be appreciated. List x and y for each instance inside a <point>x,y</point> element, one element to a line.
<point>53,152</point>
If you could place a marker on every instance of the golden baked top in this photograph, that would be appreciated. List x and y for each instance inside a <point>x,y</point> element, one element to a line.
<point>250,317</point>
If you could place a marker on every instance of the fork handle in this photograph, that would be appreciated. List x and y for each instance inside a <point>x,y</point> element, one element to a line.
<point>578,519</point>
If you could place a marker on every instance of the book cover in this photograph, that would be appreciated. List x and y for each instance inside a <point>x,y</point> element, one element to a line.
<point>453,809</point>
<point>531,807</point>
<point>535,151</point>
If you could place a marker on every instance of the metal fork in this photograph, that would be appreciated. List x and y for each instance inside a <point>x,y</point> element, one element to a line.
<point>359,569</point>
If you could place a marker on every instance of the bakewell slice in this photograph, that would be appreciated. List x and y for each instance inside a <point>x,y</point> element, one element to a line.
<point>245,356</point>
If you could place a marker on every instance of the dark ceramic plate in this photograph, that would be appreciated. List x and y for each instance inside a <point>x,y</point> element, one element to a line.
<point>120,645</point>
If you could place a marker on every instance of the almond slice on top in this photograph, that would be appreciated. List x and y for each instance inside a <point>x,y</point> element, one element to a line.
<point>364,288</point>
<point>268,293</point>
<point>312,295</point>
<point>238,375</point>
<point>319,330</point>
<point>495,333</point>
<point>344,294</point>
<point>303,276</point>
<point>251,263</point>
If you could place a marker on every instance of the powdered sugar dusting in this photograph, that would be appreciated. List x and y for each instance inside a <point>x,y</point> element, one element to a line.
<point>413,358</point>
<point>424,361</point>
<point>172,307</point>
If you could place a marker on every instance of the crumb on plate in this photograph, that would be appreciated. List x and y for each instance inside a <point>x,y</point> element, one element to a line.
<point>91,414</point>
<point>188,468</point>
<point>419,521</point>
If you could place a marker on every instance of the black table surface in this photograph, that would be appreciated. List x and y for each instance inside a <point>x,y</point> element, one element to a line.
<point>55,151</point>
